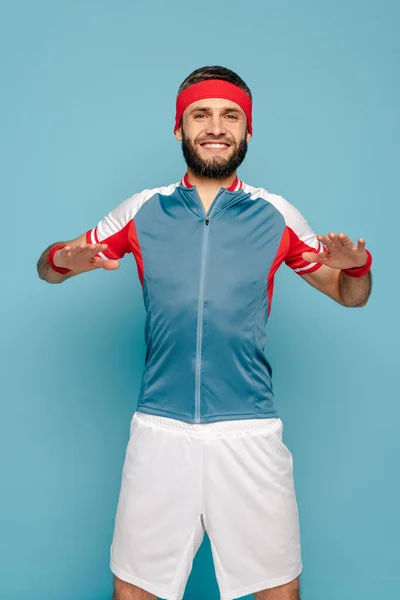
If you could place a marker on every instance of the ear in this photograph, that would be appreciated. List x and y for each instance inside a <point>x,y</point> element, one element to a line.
<point>248,137</point>
<point>178,134</point>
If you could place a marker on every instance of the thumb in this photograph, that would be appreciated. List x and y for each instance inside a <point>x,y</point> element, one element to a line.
<point>314,257</point>
<point>107,265</point>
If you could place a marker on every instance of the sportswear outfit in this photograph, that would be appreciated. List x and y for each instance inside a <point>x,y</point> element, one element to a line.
<point>205,450</point>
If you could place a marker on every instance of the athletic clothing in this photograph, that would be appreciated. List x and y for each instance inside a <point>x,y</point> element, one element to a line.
<point>233,479</point>
<point>207,283</point>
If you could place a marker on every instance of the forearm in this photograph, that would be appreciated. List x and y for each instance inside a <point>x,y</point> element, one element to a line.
<point>353,291</point>
<point>45,271</point>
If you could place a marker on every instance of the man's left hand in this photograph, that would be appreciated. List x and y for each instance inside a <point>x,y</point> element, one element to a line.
<point>341,252</point>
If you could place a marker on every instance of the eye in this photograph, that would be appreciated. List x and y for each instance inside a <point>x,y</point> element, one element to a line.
<point>232,116</point>
<point>199,116</point>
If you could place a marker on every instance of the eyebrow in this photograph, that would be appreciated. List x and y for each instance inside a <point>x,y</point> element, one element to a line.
<point>208,109</point>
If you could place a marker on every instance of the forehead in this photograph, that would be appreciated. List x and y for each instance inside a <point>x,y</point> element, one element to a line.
<point>213,104</point>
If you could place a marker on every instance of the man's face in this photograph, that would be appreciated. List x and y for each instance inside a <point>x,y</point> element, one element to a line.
<point>214,137</point>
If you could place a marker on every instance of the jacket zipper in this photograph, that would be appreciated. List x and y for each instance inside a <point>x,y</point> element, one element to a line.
<point>200,307</point>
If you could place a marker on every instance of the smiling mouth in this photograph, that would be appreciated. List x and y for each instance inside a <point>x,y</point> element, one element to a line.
<point>215,145</point>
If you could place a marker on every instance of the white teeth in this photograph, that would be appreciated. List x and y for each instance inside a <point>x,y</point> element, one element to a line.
<point>215,145</point>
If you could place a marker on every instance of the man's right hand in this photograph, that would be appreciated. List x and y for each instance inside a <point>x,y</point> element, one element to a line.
<point>82,257</point>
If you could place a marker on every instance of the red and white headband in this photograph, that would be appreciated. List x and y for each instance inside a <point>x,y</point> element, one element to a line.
<point>213,88</point>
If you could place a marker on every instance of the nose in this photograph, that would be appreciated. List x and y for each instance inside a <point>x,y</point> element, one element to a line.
<point>216,125</point>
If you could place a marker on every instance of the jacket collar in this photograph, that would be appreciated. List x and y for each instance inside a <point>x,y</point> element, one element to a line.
<point>235,187</point>
<point>225,198</point>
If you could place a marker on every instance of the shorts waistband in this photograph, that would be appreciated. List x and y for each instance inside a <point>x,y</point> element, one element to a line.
<point>212,428</point>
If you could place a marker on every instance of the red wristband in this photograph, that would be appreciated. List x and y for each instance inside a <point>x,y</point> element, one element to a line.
<point>50,258</point>
<point>360,271</point>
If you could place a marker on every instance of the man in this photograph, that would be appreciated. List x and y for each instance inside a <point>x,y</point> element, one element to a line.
<point>205,449</point>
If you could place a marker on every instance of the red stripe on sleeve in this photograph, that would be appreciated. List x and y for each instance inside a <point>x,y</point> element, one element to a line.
<point>118,244</point>
<point>294,259</point>
<point>89,236</point>
<point>315,267</point>
<point>279,258</point>
<point>135,249</point>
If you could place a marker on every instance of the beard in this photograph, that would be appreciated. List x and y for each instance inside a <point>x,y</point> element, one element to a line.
<point>215,167</point>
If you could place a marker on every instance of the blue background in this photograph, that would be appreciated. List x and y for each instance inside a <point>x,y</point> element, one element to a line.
<point>87,110</point>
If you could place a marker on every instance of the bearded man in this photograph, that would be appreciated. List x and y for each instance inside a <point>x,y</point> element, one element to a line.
<point>205,451</point>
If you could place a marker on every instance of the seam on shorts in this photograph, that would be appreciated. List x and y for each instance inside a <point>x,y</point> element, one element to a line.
<point>139,582</point>
<point>258,587</point>
<point>213,546</point>
<point>184,555</point>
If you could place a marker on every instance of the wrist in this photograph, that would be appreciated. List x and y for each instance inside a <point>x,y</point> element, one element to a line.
<point>52,258</point>
<point>360,271</point>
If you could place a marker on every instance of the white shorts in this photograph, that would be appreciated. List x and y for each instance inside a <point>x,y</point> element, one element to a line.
<point>233,479</point>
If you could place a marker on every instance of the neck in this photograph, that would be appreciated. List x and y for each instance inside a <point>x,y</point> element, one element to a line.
<point>209,186</point>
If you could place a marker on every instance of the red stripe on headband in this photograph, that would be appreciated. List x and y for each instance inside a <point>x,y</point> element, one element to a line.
<point>213,88</point>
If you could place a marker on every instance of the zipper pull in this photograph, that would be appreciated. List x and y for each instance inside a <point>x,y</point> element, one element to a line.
<point>207,219</point>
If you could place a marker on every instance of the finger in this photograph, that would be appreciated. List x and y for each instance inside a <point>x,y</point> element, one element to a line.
<point>89,250</point>
<point>77,249</point>
<point>361,245</point>
<point>326,241</point>
<point>333,237</point>
<point>92,249</point>
<point>345,241</point>
<point>97,247</point>
<point>85,246</point>
<point>314,257</point>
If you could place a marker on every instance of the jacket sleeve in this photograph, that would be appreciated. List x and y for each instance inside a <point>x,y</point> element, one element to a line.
<point>301,239</point>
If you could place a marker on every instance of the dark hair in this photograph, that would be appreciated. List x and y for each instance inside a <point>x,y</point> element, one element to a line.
<point>214,72</point>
